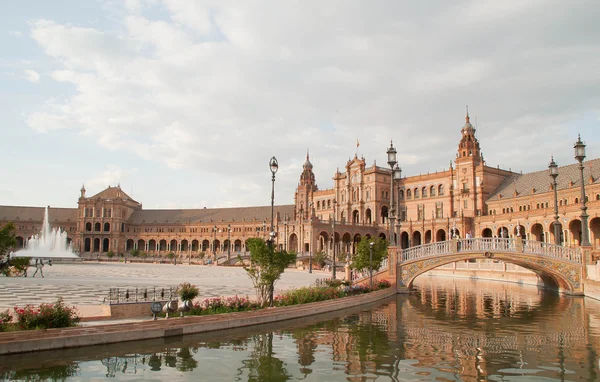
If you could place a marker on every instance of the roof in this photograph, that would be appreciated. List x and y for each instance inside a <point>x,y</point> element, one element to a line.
<point>209,215</point>
<point>112,193</point>
<point>540,180</point>
<point>19,213</point>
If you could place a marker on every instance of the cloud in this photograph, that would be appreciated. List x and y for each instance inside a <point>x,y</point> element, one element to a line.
<point>15,33</point>
<point>219,87</point>
<point>111,176</point>
<point>32,76</point>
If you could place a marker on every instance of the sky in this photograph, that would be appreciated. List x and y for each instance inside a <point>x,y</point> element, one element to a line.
<point>183,102</point>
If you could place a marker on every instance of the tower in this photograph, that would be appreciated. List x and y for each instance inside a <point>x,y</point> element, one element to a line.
<point>304,192</point>
<point>468,175</point>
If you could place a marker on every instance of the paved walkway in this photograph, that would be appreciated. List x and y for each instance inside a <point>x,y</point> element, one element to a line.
<point>87,284</point>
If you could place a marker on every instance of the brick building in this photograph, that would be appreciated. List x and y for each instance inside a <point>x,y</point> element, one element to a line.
<point>469,196</point>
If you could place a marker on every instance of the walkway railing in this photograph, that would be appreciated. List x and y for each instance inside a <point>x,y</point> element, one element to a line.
<point>485,244</point>
<point>125,295</point>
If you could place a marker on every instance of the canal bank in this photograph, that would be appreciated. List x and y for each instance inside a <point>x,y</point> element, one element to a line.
<point>29,341</point>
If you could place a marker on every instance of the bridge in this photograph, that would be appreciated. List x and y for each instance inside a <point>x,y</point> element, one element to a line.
<point>559,267</point>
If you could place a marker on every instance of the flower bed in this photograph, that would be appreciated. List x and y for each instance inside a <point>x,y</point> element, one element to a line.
<point>45,316</point>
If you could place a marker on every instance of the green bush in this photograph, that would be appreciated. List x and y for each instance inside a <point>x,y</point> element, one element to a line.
<point>308,294</point>
<point>187,291</point>
<point>5,319</point>
<point>46,316</point>
<point>110,254</point>
<point>219,305</point>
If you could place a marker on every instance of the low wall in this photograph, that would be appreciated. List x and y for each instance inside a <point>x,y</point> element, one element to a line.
<point>132,309</point>
<point>34,340</point>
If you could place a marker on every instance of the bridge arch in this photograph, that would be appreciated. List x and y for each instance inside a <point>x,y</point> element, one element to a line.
<point>557,267</point>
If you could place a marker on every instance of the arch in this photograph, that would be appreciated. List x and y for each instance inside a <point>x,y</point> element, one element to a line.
<point>205,245</point>
<point>537,232</point>
<point>318,204</point>
<point>575,228</point>
<point>384,214</point>
<point>401,195</point>
<point>141,245</point>
<point>355,217</point>
<point>195,245</point>
<point>424,192</point>
<point>343,217</point>
<point>129,245</point>
<point>552,237</point>
<point>323,241</point>
<point>106,227</point>
<point>173,245</point>
<point>293,243</point>
<point>408,194</point>
<point>97,227</point>
<point>595,231</point>
<point>428,236</point>
<point>346,243</point>
<point>97,244</point>
<point>105,245</point>
<point>216,246</point>
<point>20,242</point>
<point>87,246</point>
<point>487,232</point>
<point>237,245</point>
<point>162,245</point>
<point>416,238</point>
<point>404,240</point>
<point>381,235</point>
<point>151,245</point>
<point>440,235</point>
<point>416,193</point>
<point>502,232</point>
<point>432,191</point>
<point>368,219</point>
<point>440,190</point>
<point>226,245</point>
<point>88,227</point>
<point>184,246</point>
<point>551,274</point>
<point>519,230</point>
<point>355,240</point>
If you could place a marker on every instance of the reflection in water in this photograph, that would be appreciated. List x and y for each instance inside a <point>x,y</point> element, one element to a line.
<point>447,330</point>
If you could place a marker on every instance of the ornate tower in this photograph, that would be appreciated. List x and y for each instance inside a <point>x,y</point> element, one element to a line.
<point>304,192</point>
<point>468,176</point>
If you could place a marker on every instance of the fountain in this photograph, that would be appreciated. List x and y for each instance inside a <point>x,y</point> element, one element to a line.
<point>48,243</point>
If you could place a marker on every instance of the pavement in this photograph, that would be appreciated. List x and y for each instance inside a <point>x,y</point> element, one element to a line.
<point>86,285</point>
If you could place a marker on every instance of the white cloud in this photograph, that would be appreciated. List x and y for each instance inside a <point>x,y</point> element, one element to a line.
<point>15,33</point>
<point>32,76</point>
<point>112,176</point>
<point>219,87</point>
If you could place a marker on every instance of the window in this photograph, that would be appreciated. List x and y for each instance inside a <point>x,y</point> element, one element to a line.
<point>401,195</point>
<point>465,204</point>
<point>416,193</point>
<point>408,194</point>
<point>424,192</point>
<point>432,191</point>
<point>421,212</point>
<point>439,210</point>
<point>441,190</point>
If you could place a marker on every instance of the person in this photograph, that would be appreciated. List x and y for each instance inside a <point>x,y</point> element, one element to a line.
<point>38,267</point>
<point>175,260</point>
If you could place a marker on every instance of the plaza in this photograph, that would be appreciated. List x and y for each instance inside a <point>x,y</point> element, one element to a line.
<point>86,285</point>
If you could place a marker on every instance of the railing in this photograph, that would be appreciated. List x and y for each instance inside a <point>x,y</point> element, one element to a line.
<point>490,245</point>
<point>125,295</point>
<point>363,274</point>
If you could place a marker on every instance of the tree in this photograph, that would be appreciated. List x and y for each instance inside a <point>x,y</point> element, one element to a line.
<point>360,261</point>
<point>266,267</point>
<point>7,238</point>
<point>319,259</point>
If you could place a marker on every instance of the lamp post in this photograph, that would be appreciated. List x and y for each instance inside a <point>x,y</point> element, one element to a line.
<point>333,275</point>
<point>553,168</point>
<point>371,244</point>
<point>391,154</point>
<point>286,235</point>
<point>397,176</point>
<point>274,166</point>
<point>228,244</point>
<point>580,156</point>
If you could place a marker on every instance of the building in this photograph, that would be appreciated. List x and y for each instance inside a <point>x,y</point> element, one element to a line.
<point>468,197</point>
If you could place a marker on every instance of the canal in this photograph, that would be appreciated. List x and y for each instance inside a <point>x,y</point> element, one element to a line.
<point>447,330</point>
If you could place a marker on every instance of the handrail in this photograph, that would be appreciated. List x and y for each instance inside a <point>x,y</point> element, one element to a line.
<point>485,244</point>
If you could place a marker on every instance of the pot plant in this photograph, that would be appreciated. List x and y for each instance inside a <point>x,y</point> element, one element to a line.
<point>187,293</point>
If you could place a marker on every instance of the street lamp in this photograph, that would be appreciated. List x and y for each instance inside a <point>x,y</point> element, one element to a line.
<point>228,244</point>
<point>391,154</point>
<point>553,168</point>
<point>214,243</point>
<point>285,223</point>
<point>333,275</point>
<point>371,244</point>
<point>274,166</point>
<point>580,156</point>
<point>397,176</point>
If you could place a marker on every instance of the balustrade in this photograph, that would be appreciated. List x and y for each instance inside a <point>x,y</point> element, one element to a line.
<point>516,245</point>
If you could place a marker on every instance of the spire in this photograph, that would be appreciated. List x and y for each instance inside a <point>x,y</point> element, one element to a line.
<point>467,119</point>
<point>82,190</point>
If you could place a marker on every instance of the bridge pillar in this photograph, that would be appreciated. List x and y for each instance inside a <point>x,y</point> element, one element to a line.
<point>392,260</point>
<point>518,244</point>
<point>454,245</point>
<point>586,258</point>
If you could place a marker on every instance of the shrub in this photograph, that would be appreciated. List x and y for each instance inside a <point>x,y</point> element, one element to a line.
<point>187,291</point>
<point>308,294</point>
<point>110,254</point>
<point>46,316</point>
<point>334,283</point>
<point>219,305</point>
<point>383,284</point>
<point>5,319</point>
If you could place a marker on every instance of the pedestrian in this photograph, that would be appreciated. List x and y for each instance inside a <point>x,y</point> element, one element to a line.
<point>38,267</point>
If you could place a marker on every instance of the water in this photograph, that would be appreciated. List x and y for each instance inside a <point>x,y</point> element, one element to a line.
<point>449,330</point>
<point>48,243</point>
